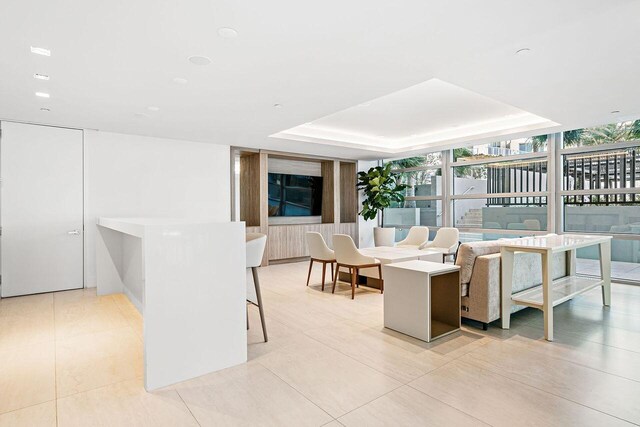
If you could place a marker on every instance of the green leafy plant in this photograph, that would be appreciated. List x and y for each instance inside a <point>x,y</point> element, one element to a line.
<point>381,188</point>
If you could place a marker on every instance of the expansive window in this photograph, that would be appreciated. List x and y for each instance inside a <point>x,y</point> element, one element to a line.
<point>423,196</point>
<point>504,189</point>
<point>501,185</point>
<point>601,192</point>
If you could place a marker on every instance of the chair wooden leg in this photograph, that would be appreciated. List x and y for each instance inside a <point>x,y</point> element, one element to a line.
<point>335,278</point>
<point>380,276</point>
<point>331,271</point>
<point>309,275</point>
<point>354,274</point>
<point>324,271</point>
<point>256,283</point>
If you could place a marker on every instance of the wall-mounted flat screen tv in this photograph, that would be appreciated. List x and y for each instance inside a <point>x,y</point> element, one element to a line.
<point>294,195</point>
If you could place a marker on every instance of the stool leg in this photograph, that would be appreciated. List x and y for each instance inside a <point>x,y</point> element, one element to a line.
<point>309,275</point>
<point>380,276</point>
<point>335,278</point>
<point>256,283</point>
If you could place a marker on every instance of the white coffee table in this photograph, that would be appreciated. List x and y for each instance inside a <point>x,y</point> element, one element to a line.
<point>422,298</point>
<point>391,255</point>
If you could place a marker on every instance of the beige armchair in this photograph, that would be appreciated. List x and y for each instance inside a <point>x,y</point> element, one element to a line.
<point>417,237</point>
<point>319,252</point>
<point>347,255</point>
<point>446,241</point>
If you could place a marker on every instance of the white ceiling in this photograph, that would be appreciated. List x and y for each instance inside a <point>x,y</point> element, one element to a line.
<point>113,59</point>
<point>428,115</point>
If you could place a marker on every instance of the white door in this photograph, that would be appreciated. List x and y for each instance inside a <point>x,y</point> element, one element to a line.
<point>41,209</point>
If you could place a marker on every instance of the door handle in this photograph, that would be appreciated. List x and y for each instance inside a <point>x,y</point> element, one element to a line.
<point>73,232</point>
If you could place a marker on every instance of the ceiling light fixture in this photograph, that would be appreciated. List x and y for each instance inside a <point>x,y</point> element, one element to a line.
<point>199,60</point>
<point>227,33</point>
<point>615,111</point>
<point>153,108</point>
<point>40,51</point>
<point>45,109</point>
<point>523,51</point>
<point>277,105</point>
<point>42,94</point>
<point>41,76</point>
<point>180,80</point>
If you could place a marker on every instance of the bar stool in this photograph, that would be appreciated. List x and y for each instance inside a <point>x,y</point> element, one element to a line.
<point>256,243</point>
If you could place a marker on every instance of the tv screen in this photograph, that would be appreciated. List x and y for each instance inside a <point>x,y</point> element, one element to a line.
<point>294,195</point>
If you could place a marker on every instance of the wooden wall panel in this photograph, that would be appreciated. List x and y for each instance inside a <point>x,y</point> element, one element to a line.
<point>290,241</point>
<point>328,191</point>
<point>250,189</point>
<point>348,192</point>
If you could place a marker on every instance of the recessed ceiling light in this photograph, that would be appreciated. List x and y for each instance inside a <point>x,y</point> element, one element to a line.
<point>277,105</point>
<point>44,109</point>
<point>199,60</point>
<point>615,111</point>
<point>180,80</point>
<point>523,51</point>
<point>40,76</point>
<point>141,115</point>
<point>153,108</point>
<point>40,51</point>
<point>227,33</point>
<point>42,94</point>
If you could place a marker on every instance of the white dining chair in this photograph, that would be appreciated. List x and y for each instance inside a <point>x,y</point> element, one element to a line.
<point>256,243</point>
<point>319,252</point>
<point>347,255</point>
<point>446,242</point>
<point>417,237</point>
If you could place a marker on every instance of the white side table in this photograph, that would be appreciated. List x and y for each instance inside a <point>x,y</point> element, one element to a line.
<point>422,298</point>
<point>553,292</point>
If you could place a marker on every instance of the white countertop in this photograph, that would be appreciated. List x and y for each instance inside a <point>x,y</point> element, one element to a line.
<point>136,226</point>
<point>555,242</point>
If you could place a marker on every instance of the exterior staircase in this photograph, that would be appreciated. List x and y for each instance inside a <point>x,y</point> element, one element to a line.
<point>471,219</point>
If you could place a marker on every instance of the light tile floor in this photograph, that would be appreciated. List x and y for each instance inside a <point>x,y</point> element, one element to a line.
<point>75,359</point>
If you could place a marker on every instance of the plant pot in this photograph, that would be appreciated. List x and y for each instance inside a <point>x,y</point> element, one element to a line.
<point>384,236</point>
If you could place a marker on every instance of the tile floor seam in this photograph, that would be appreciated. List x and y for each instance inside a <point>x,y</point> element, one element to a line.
<point>582,336</point>
<point>297,391</point>
<point>26,407</point>
<point>564,359</point>
<point>390,391</point>
<point>97,388</point>
<point>372,400</point>
<point>546,392</point>
<point>187,406</point>
<point>356,360</point>
<point>55,358</point>
<point>449,405</point>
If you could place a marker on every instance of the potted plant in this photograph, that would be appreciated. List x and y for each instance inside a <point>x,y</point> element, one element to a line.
<point>381,188</point>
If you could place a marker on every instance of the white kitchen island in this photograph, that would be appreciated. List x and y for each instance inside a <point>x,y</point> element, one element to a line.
<point>187,278</point>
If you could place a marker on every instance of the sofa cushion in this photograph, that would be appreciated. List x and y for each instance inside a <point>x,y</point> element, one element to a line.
<point>468,253</point>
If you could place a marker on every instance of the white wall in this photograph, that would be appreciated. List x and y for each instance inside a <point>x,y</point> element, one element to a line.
<point>136,176</point>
